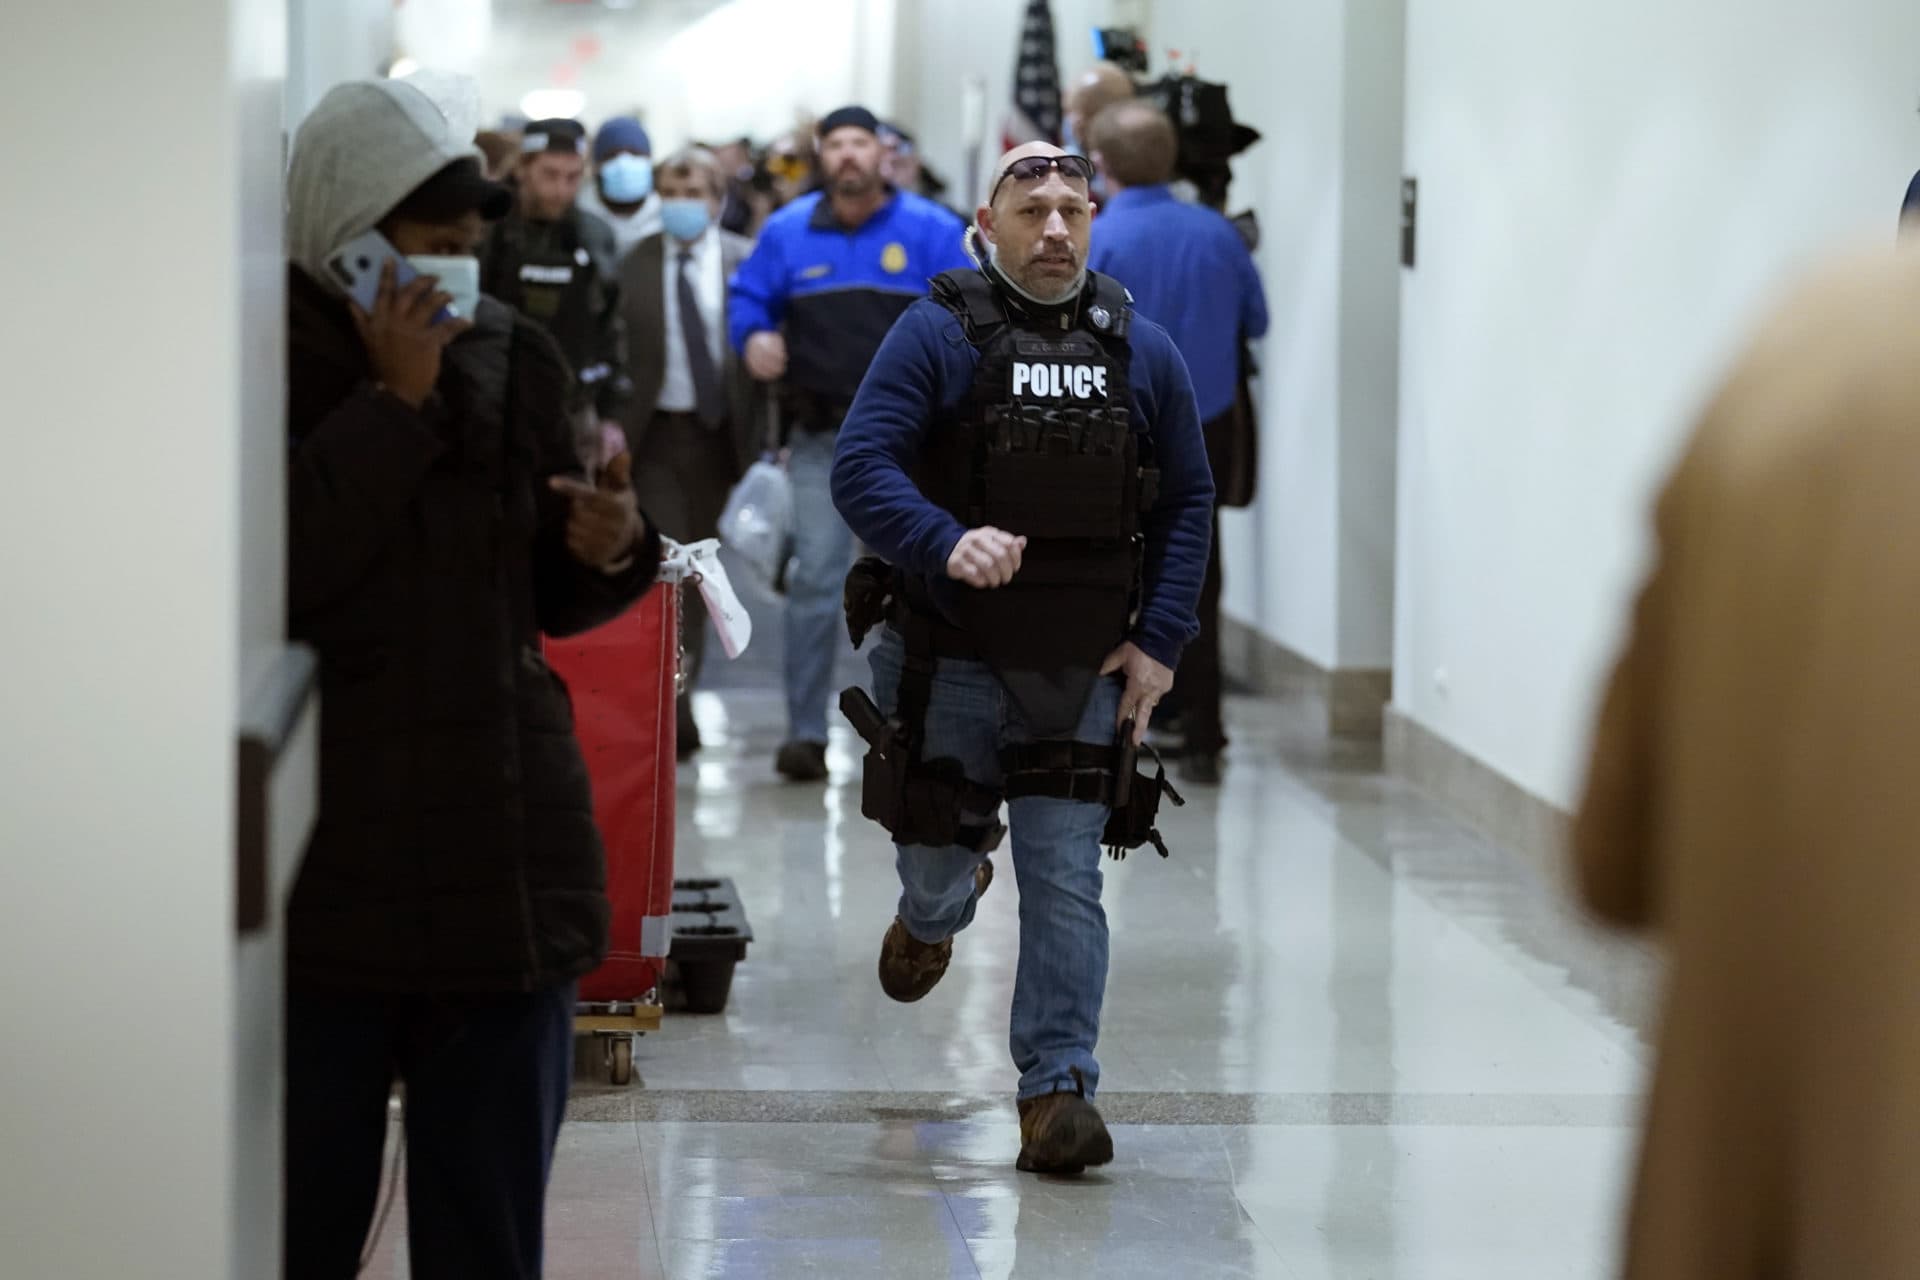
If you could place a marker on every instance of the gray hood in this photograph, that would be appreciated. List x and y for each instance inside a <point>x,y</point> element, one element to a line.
<point>362,151</point>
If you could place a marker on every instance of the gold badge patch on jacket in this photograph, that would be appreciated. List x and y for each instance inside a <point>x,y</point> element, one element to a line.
<point>893,259</point>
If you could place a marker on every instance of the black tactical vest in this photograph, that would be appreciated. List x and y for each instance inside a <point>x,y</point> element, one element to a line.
<point>551,277</point>
<point>1043,446</point>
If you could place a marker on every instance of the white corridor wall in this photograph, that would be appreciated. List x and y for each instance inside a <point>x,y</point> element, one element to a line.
<point>330,41</point>
<point>1608,193</point>
<point>1310,566</point>
<point>140,1062</point>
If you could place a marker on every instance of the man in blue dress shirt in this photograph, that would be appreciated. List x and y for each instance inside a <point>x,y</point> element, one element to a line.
<point>1190,272</point>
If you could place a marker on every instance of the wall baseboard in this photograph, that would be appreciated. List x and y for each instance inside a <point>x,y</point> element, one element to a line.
<point>1509,815</point>
<point>1621,973</point>
<point>1354,699</point>
<point>1355,704</point>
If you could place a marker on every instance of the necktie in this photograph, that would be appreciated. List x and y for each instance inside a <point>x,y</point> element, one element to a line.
<point>709,402</point>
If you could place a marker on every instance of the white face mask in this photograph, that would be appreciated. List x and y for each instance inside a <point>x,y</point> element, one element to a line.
<point>459,277</point>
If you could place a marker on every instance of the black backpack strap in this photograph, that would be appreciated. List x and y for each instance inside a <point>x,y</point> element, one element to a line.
<point>971,297</point>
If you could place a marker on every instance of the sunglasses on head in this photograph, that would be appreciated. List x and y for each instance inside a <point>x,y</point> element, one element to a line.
<point>1072,168</point>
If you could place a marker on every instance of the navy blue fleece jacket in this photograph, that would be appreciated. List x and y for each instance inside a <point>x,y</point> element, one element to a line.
<point>925,365</point>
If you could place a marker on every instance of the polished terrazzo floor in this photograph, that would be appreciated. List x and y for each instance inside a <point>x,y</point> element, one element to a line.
<point>1344,1040</point>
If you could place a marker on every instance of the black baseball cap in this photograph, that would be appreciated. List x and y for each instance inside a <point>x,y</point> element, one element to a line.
<point>568,137</point>
<point>459,188</point>
<point>851,118</point>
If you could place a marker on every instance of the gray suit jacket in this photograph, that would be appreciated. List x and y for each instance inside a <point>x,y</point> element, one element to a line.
<point>643,300</point>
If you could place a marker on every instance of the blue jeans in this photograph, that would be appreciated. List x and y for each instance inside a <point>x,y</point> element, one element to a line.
<point>816,583</point>
<point>1061,980</point>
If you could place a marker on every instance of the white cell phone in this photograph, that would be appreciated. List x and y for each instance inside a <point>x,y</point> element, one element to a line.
<point>356,266</point>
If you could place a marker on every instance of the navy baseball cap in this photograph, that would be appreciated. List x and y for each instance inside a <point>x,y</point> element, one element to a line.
<point>851,118</point>
<point>622,133</point>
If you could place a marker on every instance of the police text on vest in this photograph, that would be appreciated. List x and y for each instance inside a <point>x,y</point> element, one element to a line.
<point>1056,381</point>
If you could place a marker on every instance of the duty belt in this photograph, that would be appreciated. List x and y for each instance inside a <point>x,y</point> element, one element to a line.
<point>932,803</point>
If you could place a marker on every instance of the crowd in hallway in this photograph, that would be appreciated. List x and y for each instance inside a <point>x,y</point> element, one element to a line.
<point>818,540</point>
<point>699,383</point>
<point>525,365</point>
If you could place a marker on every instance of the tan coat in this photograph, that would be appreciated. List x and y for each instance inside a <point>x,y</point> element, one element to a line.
<point>1755,801</point>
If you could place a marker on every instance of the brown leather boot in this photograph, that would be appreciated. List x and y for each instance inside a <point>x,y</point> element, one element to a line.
<point>909,968</point>
<point>1061,1133</point>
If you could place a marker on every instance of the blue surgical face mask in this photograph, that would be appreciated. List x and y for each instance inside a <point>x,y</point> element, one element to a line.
<point>686,219</point>
<point>627,179</point>
<point>459,277</point>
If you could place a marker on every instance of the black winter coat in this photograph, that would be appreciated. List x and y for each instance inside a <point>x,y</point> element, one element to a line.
<point>456,848</point>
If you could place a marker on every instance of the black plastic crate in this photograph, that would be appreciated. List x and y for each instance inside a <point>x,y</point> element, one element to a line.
<point>710,936</point>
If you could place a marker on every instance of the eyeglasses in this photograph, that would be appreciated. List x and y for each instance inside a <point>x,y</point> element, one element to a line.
<point>1072,168</point>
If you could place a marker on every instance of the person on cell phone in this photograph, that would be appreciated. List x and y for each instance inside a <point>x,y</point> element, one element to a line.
<point>439,523</point>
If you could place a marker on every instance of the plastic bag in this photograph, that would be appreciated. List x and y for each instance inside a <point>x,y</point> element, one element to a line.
<point>758,522</point>
<point>700,562</point>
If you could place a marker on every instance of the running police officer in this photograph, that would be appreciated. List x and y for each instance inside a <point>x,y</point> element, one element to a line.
<point>556,263</point>
<point>1027,455</point>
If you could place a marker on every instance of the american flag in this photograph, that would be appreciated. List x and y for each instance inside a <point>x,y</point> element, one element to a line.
<point>1036,82</point>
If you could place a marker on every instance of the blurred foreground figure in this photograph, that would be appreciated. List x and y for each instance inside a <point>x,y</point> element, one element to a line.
<point>1753,799</point>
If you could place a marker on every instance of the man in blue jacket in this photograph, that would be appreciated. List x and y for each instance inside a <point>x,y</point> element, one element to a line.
<point>1027,455</point>
<point>832,271</point>
<point>1188,269</point>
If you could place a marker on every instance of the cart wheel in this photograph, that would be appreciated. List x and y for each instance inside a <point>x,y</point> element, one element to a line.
<point>620,1067</point>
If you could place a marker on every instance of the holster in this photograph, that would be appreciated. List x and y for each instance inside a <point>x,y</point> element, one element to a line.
<point>929,803</point>
<point>1096,775</point>
<point>932,803</point>
<point>1137,809</point>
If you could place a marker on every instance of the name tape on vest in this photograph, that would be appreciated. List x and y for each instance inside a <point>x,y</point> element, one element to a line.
<point>1058,381</point>
<point>535,274</point>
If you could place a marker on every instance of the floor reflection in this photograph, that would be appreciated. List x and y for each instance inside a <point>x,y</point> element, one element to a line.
<point>1343,1039</point>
